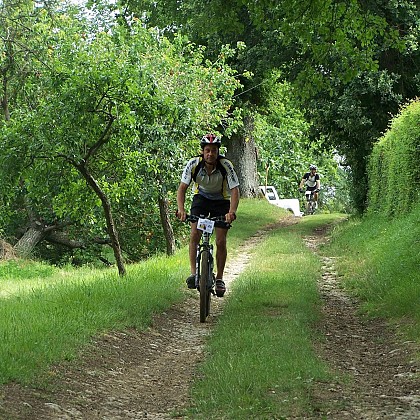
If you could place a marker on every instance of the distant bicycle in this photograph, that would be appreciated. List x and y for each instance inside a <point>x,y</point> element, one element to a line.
<point>204,278</point>
<point>310,203</point>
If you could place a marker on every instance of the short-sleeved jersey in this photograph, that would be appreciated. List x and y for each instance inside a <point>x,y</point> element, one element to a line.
<point>215,186</point>
<point>310,180</point>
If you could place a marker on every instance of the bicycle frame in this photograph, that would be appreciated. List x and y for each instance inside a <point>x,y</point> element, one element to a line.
<point>310,202</point>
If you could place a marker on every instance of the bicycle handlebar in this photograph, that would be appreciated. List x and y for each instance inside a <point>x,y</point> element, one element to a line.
<point>302,190</point>
<point>193,218</point>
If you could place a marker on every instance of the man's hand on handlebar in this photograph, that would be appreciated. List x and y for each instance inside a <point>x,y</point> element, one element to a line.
<point>181,215</point>
<point>230,217</point>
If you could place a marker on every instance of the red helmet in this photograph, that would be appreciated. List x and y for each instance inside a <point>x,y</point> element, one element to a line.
<point>210,139</point>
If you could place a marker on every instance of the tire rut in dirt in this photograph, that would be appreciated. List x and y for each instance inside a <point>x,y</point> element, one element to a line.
<point>377,376</point>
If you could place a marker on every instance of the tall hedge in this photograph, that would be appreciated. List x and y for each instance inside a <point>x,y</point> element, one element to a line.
<point>394,165</point>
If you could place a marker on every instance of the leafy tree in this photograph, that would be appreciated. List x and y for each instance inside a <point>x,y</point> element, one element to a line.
<point>25,35</point>
<point>14,47</point>
<point>330,50</point>
<point>285,148</point>
<point>113,104</point>
<point>26,31</point>
<point>281,134</point>
<point>349,113</point>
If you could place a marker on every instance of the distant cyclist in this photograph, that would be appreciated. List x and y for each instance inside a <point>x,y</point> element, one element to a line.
<point>311,180</point>
<point>216,192</point>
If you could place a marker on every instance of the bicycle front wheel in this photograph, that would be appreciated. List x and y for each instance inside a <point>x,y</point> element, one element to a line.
<point>204,289</point>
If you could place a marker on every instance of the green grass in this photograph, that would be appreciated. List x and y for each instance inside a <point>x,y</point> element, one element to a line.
<point>48,314</point>
<point>18,276</point>
<point>252,216</point>
<point>261,362</point>
<point>49,324</point>
<point>379,259</point>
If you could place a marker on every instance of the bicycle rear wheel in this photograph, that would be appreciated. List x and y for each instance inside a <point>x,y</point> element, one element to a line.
<point>204,289</point>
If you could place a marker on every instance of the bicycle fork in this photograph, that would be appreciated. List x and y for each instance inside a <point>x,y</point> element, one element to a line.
<point>200,249</point>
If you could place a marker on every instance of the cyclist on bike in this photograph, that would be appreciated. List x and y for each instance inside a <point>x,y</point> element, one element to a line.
<point>216,193</point>
<point>312,182</point>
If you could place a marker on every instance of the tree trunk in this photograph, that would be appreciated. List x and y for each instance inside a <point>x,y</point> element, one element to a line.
<point>242,152</point>
<point>106,205</point>
<point>166,225</point>
<point>27,243</point>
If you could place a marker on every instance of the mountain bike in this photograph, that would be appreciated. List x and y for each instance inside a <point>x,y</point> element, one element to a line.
<point>310,204</point>
<point>204,278</point>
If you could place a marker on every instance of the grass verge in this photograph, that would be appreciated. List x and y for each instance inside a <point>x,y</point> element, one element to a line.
<point>48,324</point>
<point>379,259</point>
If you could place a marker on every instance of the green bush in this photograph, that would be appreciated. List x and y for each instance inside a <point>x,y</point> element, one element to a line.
<point>394,171</point>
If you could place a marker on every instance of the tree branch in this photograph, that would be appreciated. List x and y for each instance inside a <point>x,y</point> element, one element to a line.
<point>102,140</point>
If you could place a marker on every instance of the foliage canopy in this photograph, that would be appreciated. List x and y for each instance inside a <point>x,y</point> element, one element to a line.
<point>116,110</point>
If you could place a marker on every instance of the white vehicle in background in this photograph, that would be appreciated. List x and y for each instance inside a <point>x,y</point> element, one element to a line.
<point>291,204</point>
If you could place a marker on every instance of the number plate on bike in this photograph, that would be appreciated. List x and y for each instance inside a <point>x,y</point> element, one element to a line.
<point>205,225</point>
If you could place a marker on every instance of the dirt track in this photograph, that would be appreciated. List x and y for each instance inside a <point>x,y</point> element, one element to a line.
<point>131,375</point>
<point>384,380</point>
